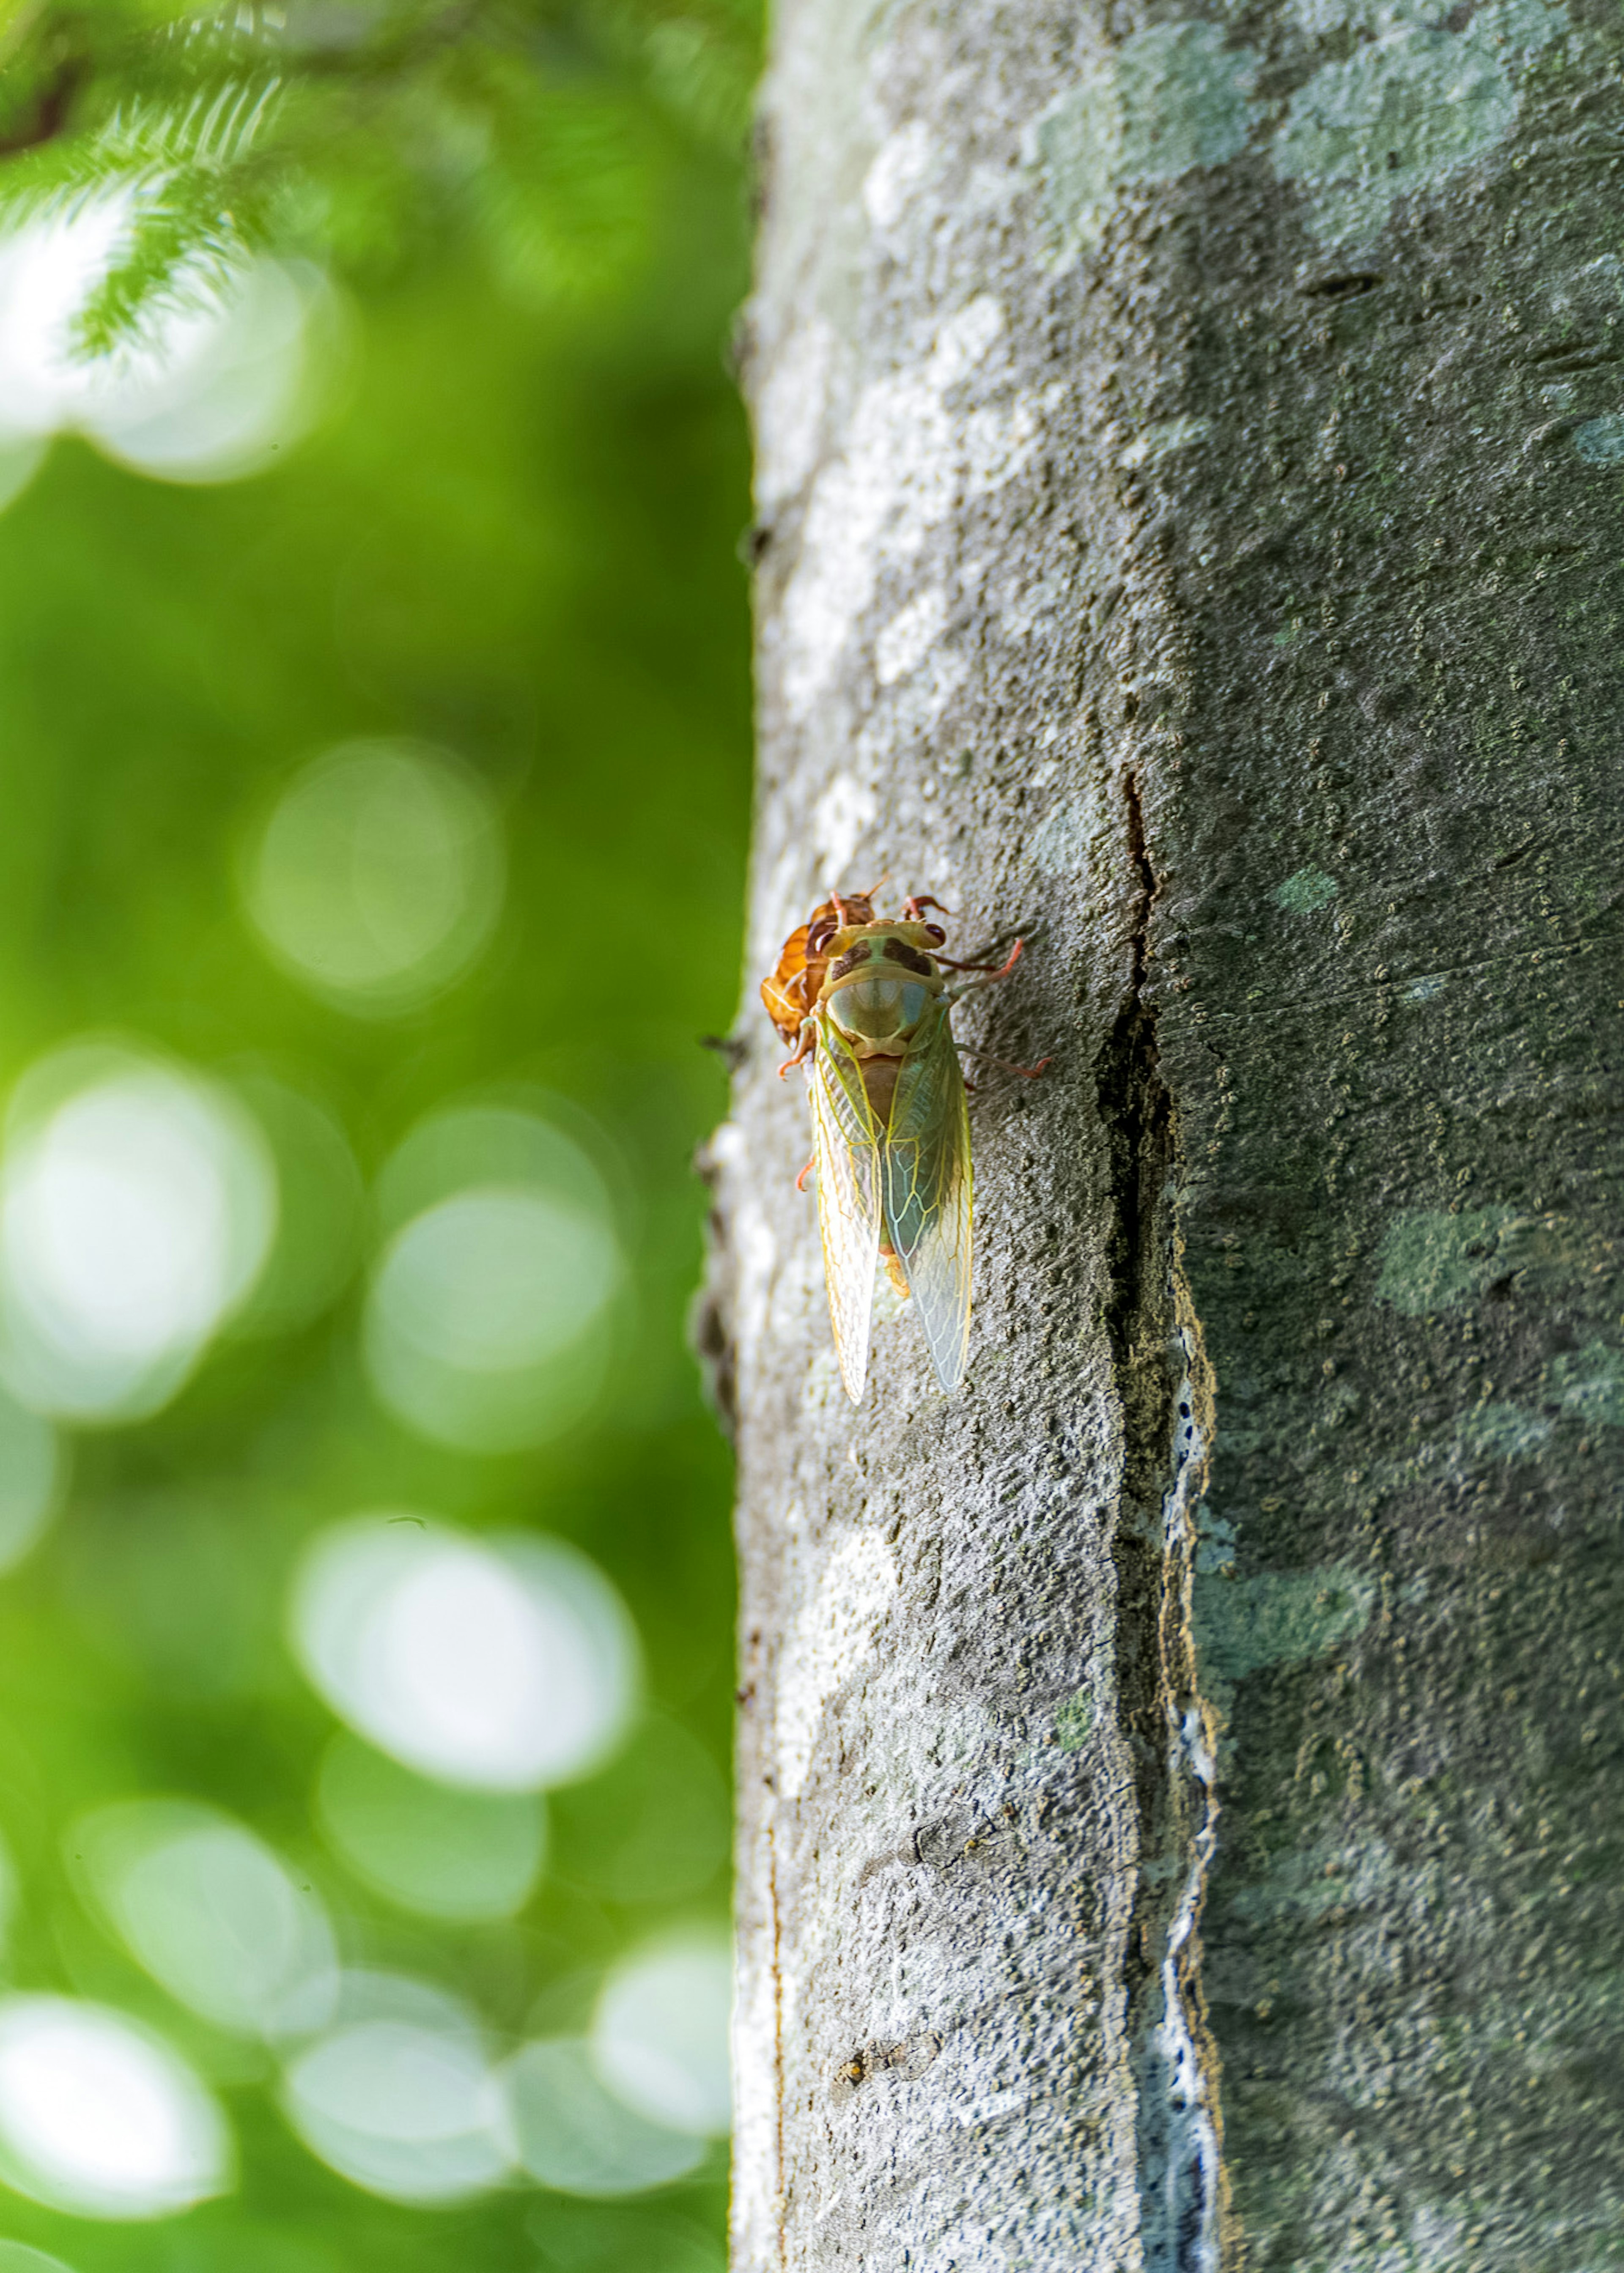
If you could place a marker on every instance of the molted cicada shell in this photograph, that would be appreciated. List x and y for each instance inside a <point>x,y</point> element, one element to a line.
<point>868,1004</point>
<point>791,991</point>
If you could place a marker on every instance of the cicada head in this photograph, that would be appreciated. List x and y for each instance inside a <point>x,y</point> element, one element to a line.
<point>880,986</point>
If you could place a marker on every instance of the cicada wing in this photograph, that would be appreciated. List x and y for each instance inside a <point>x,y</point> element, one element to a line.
<point>925,1196</point>
<point>848,1198</point>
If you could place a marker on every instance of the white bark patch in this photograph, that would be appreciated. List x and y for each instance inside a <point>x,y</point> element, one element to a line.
<point>910,713</point>
<point>1168,100</point>
<point>1160,440</point>
<point>915,447</point>
<point>790,408</point>
<point>754,1246</point>
<point>1407,107</point>
<point>755,2093</point>
<point>1030,609</point>
<point>1590,1382</point>
<point>1000,442</point>
<point>909,636</point>
<point>843,813</point>
<point>1069,832</point>
<point>1411,106</point>
<point>900,166</point>
<point>832,1635</point>
<point>1599,441</point>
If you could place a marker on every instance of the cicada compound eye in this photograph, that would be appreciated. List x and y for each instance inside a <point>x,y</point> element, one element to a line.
<point>935,932</point>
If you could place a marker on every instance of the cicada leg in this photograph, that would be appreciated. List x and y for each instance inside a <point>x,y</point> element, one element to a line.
<point>803,1048</point>
<point>991,977</point>
<point>1027,1073</point>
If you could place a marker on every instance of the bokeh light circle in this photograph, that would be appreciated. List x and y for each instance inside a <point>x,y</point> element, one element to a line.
<point>571,2132</point>
<point>490,1312</point>
<point>100,2117</point>
<point>377,878</point>
<point>484,1322</point>
<point>11,1893</point>
<point>219,384</point>
<point>493,1281</point>
<point>655,1825</point>
<point>429,1847</point>
<point>137,1205</point>
<point>400,2098</point>
<point>660,2034</point>
<point>500,1664</point>
<point>211,1913</point>
<point>18,2257</point>
<point>322,1215</point>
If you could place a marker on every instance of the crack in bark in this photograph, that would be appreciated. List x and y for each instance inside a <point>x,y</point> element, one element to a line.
<point>1165,1725</point>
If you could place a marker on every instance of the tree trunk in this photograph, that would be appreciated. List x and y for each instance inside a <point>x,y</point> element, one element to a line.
<point>1181,1771</point>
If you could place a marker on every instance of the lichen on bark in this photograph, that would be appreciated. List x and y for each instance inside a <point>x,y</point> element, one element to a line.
<point>1189,534</point>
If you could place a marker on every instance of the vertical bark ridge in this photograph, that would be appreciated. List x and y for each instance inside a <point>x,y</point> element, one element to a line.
<point>1165,1392</point>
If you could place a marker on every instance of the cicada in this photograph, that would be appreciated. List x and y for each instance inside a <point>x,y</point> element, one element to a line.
<point>868,1004</point>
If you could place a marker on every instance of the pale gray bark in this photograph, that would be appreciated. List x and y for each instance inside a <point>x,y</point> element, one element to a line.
<point>1189,464</point>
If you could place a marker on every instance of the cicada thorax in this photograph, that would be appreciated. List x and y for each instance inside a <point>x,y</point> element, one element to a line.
<point>792,993</point>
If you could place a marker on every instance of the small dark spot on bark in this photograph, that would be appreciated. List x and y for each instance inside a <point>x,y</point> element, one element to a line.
<point>905,2062</point>
<point>709,1337</point>
<point>1346,285</point>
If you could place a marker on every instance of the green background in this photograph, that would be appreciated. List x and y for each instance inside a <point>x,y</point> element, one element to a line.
<point>512,532</point>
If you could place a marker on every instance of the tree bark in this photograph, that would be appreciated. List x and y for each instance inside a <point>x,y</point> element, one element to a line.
<point>1181,1771</point>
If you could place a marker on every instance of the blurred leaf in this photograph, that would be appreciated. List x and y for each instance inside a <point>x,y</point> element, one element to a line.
<point>354,131</point>
<point>568,192</point>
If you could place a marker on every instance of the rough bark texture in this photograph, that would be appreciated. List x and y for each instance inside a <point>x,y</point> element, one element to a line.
<point>1190,465</point>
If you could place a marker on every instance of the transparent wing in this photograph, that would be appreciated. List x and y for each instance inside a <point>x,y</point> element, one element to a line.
<point>848,1197</point>
<point>925,1196</point>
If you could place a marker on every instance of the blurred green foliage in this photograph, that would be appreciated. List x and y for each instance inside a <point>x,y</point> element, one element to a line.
<point>512,534</point>
<point>545,139</point>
